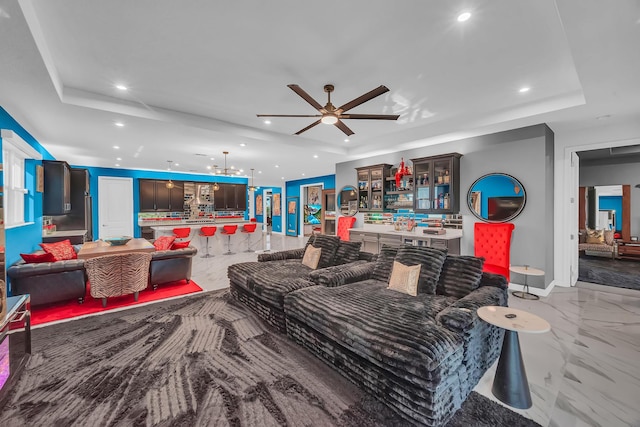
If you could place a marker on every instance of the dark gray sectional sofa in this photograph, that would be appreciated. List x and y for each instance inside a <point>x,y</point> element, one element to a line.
<point>420,355</point>
<point>263,285</point>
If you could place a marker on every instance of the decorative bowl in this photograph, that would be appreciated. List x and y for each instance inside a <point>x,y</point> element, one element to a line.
<point>117,241</point>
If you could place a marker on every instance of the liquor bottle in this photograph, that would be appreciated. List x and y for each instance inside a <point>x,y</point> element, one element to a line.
<point>446,201</point>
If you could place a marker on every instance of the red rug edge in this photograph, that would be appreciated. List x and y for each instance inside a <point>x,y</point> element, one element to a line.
<point>68,310</point>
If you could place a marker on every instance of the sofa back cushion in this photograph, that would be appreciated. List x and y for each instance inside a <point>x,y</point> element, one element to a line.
<point>431,261</point>
<point>608,237</point>
<point>329,246</point>
<point>347,252</point>
<point>460,275</point>
<point>384,263</point>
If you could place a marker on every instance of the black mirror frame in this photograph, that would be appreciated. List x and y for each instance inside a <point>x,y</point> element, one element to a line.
<point>355,198</point>
<point>509,218</point>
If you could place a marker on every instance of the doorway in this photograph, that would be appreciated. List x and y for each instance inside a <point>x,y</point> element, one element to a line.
<point>115,206</point>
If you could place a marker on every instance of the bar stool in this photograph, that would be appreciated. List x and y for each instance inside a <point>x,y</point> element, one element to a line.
<point>207,232</point>
<point>249,229</point>
<point>182,233</point>
<point>229,230</point>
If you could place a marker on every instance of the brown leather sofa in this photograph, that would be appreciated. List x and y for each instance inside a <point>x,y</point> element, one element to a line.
<point>171,265</point>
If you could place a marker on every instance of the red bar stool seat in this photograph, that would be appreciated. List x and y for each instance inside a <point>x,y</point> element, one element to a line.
<point>249,229</point>
<point>229,230</point>
<point>207,232</point>
<point>182,233</point>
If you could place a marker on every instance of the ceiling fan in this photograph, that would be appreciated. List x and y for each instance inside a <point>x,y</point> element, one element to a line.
<point>333,116</point>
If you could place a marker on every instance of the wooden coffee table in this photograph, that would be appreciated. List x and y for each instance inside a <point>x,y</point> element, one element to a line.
<point>100,248</point>
<point>629,250</point>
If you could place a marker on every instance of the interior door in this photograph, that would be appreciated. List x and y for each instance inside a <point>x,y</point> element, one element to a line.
<point>115,206</point>
<point>575,198</point>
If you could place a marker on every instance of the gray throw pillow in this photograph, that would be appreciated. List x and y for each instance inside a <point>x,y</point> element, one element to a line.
<point>329,246</point>
<point>460,275</point>
<point>431,260</point>
<point>347,252</point>
<point>384,263</point>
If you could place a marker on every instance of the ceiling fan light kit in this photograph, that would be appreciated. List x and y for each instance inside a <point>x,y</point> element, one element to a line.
<point>331,115</point>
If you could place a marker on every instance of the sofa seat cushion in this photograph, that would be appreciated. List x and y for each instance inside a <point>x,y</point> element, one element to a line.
<point>271,281</point>
<point>392,330</point>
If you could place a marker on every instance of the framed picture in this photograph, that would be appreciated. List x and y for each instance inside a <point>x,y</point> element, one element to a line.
<point>276,205</point>
<point>39,179</point>
<point>259,204</point>
<point>293,207</point>
<point>476,200</point>
<point>313,195</point>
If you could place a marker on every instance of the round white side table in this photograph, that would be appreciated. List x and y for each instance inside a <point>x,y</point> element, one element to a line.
<point>526,271</point>
<point>510,384</point>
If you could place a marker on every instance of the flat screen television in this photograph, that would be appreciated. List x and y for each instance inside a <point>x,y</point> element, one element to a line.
<point>501,208</point>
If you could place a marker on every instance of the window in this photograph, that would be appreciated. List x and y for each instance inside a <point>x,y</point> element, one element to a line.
<point>14,153</point>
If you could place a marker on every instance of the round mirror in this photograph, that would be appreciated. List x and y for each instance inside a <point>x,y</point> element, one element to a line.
<point>496,197</point>
<point>348,200</point>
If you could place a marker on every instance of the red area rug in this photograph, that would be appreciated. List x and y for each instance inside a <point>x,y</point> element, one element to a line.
<point>71,309</point>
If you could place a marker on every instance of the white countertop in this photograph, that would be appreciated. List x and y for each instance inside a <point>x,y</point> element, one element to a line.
<point>415,234</point>
<point>196,226</point>
<point>65,233</point>
<point>189,222</point>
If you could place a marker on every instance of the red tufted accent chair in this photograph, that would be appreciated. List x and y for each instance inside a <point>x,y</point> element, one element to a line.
<point>344,224</point>
<point>493,243</point>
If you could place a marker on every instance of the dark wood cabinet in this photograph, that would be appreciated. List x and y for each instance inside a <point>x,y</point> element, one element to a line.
<point>155,196</point>
<point>436,182</point>
<point>371,187</point>
<point>56,198</point>
<point>231,197</point>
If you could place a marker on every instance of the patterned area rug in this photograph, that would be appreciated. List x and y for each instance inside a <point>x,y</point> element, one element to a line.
<point>200,360</point>
<point>620,273</point>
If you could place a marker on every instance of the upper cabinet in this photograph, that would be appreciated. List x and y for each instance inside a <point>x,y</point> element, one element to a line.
<point>231,197</point>
<point>371,187</point>
<point>56,198</point>
<point>155,196</point>
<point>436,182</point>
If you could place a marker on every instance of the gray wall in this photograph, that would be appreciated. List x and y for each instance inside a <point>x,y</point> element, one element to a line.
<point>616,173</point>
<point>525,153</point>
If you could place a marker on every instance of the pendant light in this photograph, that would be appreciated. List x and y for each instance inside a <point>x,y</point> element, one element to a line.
<point>170,183</point>
<point>252,187</point>
<point>216,187</point>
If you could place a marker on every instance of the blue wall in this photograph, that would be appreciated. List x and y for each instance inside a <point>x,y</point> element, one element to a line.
<point>615,203</point>
<point>293,190</point>
<point>137,174</point>
<point>495,186</point>
<point>25,239</point>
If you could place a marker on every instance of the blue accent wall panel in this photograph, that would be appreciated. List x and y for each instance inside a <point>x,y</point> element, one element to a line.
<point>612,203</point>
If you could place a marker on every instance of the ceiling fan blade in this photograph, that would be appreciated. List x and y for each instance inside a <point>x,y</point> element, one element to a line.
<point>343,128</point>
<point>308,127</point>
<point>363,98</point>
<point>370,116</point>
<point>304,95</point>
<point>289,115</point>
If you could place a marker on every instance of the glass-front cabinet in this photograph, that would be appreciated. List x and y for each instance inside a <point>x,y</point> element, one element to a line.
<point>436,184</point>
<point>371,187</point>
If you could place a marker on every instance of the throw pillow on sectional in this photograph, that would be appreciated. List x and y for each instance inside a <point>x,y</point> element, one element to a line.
<point>347,252</point>
<point>311,257</point>
<point>384,263</point>
<point>460,275</point>
<point>180,245</point>
<point>329,246</point>
<point>163,243</point>
<point>37,258</point>
<point>431,260</point>
<point>61,251</point>
<point>404,278</point>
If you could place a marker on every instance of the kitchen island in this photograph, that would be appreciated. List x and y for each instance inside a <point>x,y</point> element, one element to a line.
<point>167,230</point>
<point>374,236</point>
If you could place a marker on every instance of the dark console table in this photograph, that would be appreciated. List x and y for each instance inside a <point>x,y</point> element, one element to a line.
<point>629,250</point>
<point>15,342</point>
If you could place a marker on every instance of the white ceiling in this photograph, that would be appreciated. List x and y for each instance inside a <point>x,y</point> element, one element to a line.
<point>200,71</point>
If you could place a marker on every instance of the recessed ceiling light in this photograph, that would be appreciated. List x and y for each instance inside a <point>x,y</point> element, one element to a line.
<point>209,167</point>
<point>122,87</point>
<point>267,122</point>
<point>524,89</point>
<point>116,147</point>
<point>464,16</point>
<point>176,164</point>
<point>259,171</point>
<point>315,156</point>
<point>238,173</point>
<point>303,174</point>
<point>241,170</point>
<point>346,140</point>
<point>282,178</point>
<point>119,124</point>
<point>118,158</point>
<point>243,145</point>
<point>277,166</point>
<point>118,165</point>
